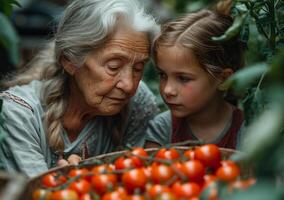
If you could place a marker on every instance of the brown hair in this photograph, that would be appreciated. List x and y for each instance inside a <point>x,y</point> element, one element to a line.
<point>194,31</point>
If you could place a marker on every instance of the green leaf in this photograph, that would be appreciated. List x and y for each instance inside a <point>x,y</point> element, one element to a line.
<point>9,39</point>
<point>243,79</point>
<point>264,132</point>
<point>15,2</point>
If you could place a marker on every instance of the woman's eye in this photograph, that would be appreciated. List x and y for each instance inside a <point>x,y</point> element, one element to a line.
<point>114,65</point>
<point>138,67</point>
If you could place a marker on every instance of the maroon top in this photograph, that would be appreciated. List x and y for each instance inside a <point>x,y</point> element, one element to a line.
<point>229,140</point>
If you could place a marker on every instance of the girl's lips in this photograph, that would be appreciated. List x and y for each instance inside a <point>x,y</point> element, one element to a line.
<point>172,105</point>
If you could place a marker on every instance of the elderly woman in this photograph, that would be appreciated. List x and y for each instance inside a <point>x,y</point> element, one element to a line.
<point>82,95</point>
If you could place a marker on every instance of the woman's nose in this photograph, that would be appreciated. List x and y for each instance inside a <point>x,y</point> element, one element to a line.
<point>126,81</point>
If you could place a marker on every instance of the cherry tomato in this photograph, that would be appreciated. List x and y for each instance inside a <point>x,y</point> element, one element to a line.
<point>169,154</point>
<point>53,179</point>
<point>114,195</point>
<point>229,171</point>
<point>42,194</point>
<point>86,196</point>
<point>103,182</point>
<point>81,186</point>
<point>65,194</point>
<point>186,190</point>
<point>189,154</point>
<point>161,173</point>
<point>157,189</point>
<point>208,154</point>
<point>128,162</point>
<point>194,170</point>
<point>100,169</point>
<point>76,172</point>
<point>148,171</point>
<point>134,179</point>
<point>139,151</point>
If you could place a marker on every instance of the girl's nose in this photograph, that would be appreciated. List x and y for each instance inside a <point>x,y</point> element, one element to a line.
<point>169,89</point>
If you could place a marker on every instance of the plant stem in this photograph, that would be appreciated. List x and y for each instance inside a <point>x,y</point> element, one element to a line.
<point>272,39</point>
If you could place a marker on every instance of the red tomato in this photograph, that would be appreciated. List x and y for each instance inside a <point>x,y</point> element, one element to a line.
<point>169,154</point>
<point>134,179</point>
<point>103,182</point>
<point>189,154</point>
<point>139,151</point>
<point>100,169</point>
<point>229,171</point>
<point>161,173</point>
<point>208,154</point>
<point>147,171</point>
<point>42,194</point>
<point>194,170</point>
<point>186,190</point>
<point>157,189</point>
<point>81,186</point>
<point>76,172</point>
<point>65,194</point>
<point>86,196</point>
<point>114,195</point>
<point>53,179</point>
<point>127,162</point>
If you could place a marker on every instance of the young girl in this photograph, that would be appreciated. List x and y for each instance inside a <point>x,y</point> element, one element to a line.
<point>192,68</point>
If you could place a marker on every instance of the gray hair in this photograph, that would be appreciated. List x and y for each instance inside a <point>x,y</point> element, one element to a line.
<point>87,24</point>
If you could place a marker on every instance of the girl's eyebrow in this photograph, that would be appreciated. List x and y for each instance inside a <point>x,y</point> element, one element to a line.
<point>185,73</point>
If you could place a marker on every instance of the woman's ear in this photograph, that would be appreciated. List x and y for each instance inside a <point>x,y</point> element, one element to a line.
<point>68,66</point>
<point>225,74</point>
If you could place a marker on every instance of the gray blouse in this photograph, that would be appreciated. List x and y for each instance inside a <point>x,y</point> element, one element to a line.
<point>25,148</point>
<point>160,131</point>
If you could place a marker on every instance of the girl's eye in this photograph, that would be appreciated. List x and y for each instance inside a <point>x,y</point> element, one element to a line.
<point>184,79</point>
<point>162,75</point>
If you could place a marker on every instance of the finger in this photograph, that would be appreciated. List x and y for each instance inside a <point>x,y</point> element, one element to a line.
<point>74,159</point>
<point>62,163</point>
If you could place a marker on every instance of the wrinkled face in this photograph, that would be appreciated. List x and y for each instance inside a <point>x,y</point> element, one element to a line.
<point>184,85</point>
<point>110,76</point>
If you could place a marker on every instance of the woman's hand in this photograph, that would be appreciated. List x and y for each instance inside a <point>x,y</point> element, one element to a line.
<point>73,159</point>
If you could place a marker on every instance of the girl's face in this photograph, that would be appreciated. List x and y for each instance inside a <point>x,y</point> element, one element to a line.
<point>184,85</point>
<point>110,76</point>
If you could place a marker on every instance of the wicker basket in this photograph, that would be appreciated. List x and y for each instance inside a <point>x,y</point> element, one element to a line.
<point>12,187</point>
<point>109,157</point>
